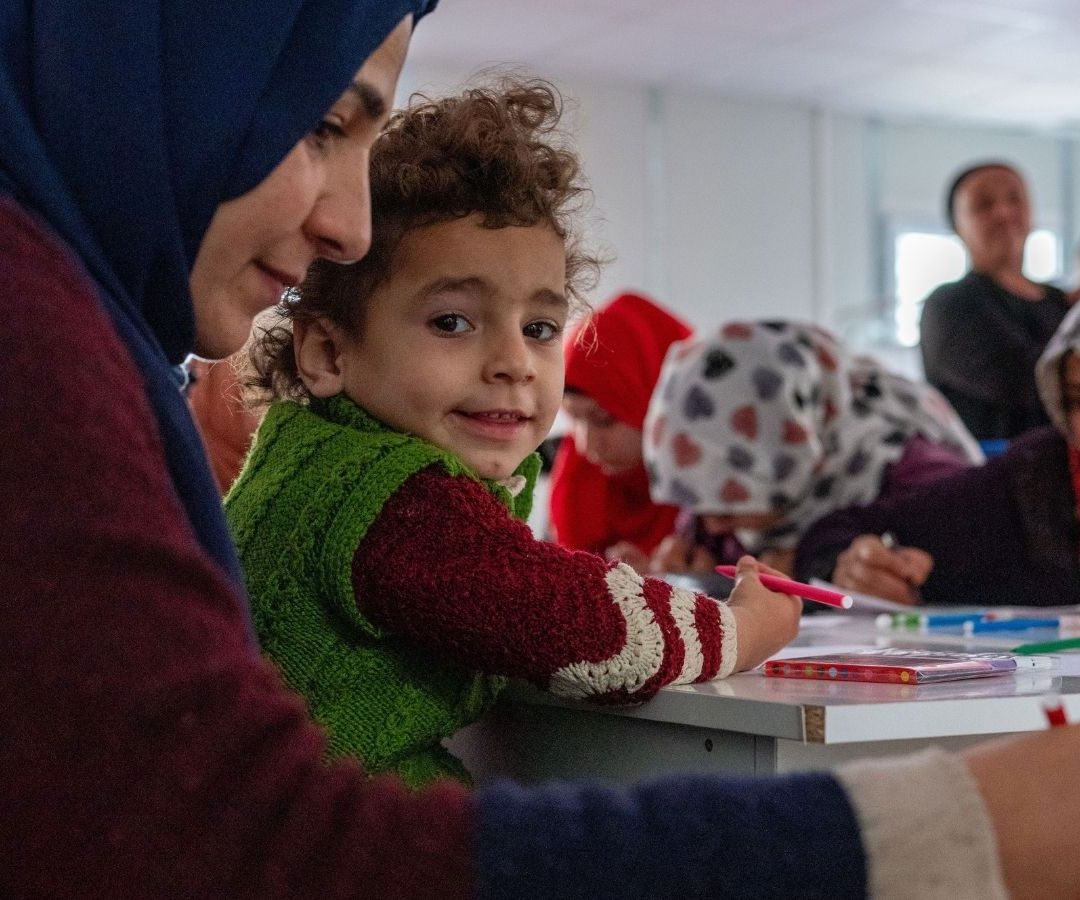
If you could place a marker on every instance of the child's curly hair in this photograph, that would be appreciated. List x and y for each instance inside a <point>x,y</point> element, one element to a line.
<point>494,151</point>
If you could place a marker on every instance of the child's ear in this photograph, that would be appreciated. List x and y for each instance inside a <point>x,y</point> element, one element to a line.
<point>317,348</point>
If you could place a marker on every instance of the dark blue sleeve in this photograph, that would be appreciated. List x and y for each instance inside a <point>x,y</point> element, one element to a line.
<point>679,838</point>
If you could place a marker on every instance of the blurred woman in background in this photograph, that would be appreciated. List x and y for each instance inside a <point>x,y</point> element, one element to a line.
<point>761,428</point>
<point>981,335</point>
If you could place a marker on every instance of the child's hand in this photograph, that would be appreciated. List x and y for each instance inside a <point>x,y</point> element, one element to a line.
<point>766,620</point>
<point>630,554</point>
<point>870,567</point>
<point>677,553</point>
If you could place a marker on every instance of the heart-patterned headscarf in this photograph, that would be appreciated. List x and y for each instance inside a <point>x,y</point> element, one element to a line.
<point>764,417</point>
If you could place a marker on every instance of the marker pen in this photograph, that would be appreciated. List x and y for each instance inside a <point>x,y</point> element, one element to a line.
<point>983,626</point>
<point>1054,710</point>
<point>787,586</point>
<point>1072,643</point>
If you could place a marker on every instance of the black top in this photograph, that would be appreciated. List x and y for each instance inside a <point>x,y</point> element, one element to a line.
<point>1002,533</point>
<point>980,344</point>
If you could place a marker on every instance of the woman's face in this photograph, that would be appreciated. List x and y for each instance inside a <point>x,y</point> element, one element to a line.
<point>993,217</point>
<point>315,203</point>
<point>602,439</point>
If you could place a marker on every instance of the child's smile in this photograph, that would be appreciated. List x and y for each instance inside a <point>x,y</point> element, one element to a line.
<point>500,424</point>
<point>462,344</point>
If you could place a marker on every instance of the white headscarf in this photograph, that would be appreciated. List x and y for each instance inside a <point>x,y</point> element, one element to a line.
<point>762,417</point>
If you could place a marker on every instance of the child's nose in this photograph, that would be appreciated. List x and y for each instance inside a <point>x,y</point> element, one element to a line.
<point>511,361</point>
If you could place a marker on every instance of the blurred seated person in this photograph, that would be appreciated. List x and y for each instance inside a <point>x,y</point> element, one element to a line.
<point>1004,533</point>
<point>599,490</point>
<point>759,429</point>
<point>981,335</point>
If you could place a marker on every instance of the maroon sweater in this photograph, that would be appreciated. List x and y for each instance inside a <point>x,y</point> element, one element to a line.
<point>445,565</point>
<point>145,749</point>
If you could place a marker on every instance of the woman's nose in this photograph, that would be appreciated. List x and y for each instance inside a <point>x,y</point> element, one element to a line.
<point>340,222</point>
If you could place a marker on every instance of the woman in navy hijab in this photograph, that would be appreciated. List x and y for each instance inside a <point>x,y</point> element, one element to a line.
<point>125,124</point>
<point>165,170</point>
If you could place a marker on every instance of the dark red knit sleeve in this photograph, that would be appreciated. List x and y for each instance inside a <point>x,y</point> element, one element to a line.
<point>446,565</point>
<point>146,751</point>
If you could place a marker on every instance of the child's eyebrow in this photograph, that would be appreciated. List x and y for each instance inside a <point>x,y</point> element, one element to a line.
<point>472,284</point>
<point>371,100</point>
<point>438,285</point>
<point>552,298</point>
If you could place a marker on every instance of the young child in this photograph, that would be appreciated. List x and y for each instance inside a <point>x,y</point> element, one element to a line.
<point>599,488</point>
<point>380,514</point>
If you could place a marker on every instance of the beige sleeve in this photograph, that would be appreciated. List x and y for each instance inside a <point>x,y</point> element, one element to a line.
<point>925,829</point>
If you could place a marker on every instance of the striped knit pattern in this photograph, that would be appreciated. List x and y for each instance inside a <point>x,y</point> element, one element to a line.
<point>316,479</point>
<point>663,643</point>
<point>492,596</point>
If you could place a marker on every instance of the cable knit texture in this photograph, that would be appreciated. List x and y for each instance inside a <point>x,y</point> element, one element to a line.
<point>927,808</point>
<point>446,582</point>
<point>316,479</point>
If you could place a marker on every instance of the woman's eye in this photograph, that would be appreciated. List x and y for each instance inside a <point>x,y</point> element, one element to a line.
<point>451,323</point>
<point>541,331</point>
<point>325,130</point>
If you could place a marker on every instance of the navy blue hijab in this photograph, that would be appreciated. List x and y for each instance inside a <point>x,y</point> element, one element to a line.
<point>125,123</point>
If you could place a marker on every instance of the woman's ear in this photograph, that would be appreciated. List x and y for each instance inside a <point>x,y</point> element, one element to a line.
<point>317,346</point>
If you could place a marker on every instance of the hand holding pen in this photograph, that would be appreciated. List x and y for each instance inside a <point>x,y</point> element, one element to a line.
<point>766,619</point>
<point>876,564</point>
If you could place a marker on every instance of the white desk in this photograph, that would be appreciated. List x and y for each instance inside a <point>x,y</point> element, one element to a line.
<point>750,724</point>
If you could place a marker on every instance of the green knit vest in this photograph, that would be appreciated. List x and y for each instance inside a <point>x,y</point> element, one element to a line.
<point>316,478</point>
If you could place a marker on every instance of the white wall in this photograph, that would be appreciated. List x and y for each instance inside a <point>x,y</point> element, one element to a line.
<point>738,218</point>
<point>725,207</point>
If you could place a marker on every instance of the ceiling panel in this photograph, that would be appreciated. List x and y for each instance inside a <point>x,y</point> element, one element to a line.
<point>1000,61</point>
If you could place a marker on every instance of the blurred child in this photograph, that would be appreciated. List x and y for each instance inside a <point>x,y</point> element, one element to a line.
<point>380,514</point>
<point>762,428</point>
<point>599,489</point>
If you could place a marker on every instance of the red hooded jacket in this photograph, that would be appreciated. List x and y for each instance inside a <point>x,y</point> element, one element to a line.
<point>617,366</point>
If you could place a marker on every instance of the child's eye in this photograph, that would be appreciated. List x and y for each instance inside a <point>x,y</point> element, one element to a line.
<point>451,323</point>
<point>541,331</point>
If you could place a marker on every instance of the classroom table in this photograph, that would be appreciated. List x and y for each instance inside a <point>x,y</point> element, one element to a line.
<point>752,724</point>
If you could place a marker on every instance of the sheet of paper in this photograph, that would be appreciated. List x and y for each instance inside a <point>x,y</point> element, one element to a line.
<point>820,650</point>
<point>863,603</point>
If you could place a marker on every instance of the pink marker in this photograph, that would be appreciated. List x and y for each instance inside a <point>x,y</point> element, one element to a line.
<point>787,586</point>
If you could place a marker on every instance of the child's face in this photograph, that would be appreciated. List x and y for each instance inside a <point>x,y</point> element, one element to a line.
<point>462,344</point>
<point>602,439</point>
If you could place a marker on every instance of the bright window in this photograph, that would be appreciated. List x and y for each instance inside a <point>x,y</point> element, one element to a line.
<point>925,259</point>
